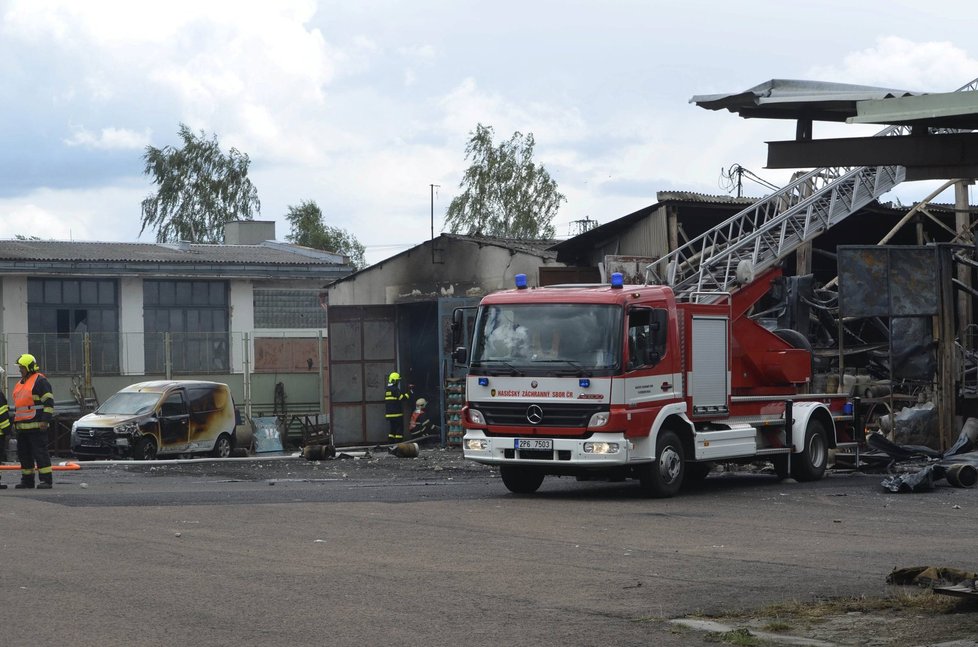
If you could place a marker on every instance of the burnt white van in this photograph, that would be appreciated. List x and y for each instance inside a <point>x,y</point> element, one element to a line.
<point>159,418</point>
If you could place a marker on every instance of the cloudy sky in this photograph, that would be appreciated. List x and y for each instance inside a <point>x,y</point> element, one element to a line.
<point>362,106</point>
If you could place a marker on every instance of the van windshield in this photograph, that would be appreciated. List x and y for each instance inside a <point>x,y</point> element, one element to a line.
<point>129,404</point>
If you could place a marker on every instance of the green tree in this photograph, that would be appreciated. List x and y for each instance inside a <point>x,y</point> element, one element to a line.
<point>503,192</point>
<point>199,189</point>
<point>310,230</point>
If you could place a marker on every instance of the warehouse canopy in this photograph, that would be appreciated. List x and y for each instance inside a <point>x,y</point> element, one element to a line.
<point>928,132</point>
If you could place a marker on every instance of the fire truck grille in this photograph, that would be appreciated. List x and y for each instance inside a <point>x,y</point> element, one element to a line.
<point>547,414</point>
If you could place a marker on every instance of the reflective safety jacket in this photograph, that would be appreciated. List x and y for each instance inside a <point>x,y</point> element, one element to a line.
<point>4,417</point>
<point>33,402</point>
<point>392,400</point>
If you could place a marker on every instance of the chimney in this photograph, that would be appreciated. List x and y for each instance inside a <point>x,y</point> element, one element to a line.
<point>248,232</point>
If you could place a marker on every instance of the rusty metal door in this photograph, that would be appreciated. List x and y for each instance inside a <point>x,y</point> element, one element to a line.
<point>362,352</point>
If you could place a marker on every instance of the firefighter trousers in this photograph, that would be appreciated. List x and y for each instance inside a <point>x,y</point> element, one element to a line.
<point>396,433</point>
<point>32,449</point>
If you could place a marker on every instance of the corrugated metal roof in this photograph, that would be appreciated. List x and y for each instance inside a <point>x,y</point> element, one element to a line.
<point>690,196</point>
<point>269,253</point>
<point>792,99</point>
<point>945,109</point>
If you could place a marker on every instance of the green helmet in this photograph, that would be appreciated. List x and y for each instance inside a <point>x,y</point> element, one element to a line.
<point>394,376</point>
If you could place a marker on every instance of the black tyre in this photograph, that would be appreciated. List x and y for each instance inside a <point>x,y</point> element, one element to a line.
<point>520,480</point>
<point>698,471</point>
<point>144,449</point>
<point>781,469</point>
<point>810,464</point>
<point>223,447</point>
<point>664,476</point>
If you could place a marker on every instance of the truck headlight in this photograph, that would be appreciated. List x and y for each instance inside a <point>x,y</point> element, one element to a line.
<point>599,419</point>
<point>600,448</point>
<point>477,444</point>
<point>476,418</point>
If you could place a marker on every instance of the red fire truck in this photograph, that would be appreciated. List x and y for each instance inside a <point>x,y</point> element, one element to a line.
<point>657,382</point>
<point>615,382</point>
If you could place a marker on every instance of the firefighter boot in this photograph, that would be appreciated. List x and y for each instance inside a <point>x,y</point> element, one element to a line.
<point>46,482</point>
<point>26,482</point>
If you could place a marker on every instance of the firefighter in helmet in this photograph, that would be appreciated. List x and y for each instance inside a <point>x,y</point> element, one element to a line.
<point>421,424</point>
<point>4,423</point>
<point>33,411</point>
<point>394,408</point>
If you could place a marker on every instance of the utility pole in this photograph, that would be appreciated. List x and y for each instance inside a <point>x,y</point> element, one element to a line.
<point>433,187</point>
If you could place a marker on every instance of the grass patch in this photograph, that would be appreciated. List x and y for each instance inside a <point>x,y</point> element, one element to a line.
<point>926,603</point>
<point>741,637</point>
<point>778,626</point>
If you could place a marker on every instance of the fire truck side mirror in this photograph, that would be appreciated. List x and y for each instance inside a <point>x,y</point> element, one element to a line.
<point>660,328</point>
<point>460,355</point>
<point>457,320</point>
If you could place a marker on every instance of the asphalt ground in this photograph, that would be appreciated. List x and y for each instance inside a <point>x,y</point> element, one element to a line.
<point>378,550</point>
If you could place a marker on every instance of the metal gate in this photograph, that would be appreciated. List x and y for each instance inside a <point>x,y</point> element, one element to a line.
<point>362,351</point>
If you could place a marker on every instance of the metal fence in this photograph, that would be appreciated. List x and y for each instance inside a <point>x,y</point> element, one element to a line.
<point>260,368</point>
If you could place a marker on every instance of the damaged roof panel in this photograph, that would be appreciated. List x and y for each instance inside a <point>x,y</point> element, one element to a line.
<point>790,98</point>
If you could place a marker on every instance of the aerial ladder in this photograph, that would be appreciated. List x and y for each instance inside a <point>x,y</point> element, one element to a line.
<point>757,238</point>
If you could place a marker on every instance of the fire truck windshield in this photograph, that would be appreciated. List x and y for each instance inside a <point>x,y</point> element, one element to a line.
<point>548,339</point>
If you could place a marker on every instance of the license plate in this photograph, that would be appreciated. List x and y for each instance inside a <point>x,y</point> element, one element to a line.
<point>534,443</point>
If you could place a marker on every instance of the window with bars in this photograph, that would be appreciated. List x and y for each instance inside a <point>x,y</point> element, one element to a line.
<point>289,309</point>
<point>195,316</point>
<point>59,314</point>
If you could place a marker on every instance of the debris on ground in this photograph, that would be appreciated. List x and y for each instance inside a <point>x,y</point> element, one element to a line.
<point>940,579</point>
<point>921,466</point>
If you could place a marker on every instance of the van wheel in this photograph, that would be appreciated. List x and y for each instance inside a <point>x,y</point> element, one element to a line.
<point>520,480</point>
<point>222,448</point>
<point>145,449</point>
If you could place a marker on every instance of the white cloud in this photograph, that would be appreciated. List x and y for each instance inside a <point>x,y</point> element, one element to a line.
<point>109,139</point>
<point>930,66</point>
<point>362,106</point>
<point>104,213</point>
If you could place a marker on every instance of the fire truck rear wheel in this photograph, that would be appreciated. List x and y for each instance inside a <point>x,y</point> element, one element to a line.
<point>810,464</point>
<point>520,480</point>
<point>663,477</point>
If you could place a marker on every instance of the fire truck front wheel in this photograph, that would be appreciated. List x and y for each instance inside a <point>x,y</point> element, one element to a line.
<point>663,477</point>
<point>520,480</point>
<point>810,464</point>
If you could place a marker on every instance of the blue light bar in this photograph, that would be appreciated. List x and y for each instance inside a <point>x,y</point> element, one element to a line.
<point>520,281</point>
<point>617,280</point>
<point>483,381</point>
<point>584,383</point>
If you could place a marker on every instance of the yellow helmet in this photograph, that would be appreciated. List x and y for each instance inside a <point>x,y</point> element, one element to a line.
<point>27,361</point>
<point>394,376</point>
